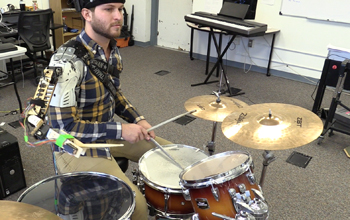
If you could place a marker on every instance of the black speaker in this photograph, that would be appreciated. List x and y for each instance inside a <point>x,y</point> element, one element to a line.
<point>11,170</point>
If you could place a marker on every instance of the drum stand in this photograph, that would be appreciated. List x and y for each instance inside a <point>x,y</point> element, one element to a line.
<point>268,158</point>
<point>211,144</point>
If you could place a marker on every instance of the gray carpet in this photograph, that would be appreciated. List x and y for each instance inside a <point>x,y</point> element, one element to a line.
<point>319,191</point>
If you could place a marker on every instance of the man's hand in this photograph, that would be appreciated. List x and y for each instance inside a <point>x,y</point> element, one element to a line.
<point>146,126</point>
<point>137,132</point>
<point>134,133</point>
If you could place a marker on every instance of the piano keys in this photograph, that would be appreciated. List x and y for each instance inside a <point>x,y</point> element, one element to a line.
<point>229,25</point>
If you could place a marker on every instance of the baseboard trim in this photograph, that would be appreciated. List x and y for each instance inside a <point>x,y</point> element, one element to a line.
<point>278,73</point>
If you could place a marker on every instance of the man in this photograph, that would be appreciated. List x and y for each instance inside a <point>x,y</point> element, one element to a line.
<point>84,106</point>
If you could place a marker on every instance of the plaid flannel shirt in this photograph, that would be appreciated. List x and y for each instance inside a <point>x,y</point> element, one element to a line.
<point>91,119</point>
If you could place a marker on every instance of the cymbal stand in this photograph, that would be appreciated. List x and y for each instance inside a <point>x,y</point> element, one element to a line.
<point>268,158</point>
<point>211,144</point>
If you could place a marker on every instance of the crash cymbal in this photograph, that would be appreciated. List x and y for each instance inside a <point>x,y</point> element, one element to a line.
<point>208,108</point>
<point>287,127</point>
<point>23,211</point>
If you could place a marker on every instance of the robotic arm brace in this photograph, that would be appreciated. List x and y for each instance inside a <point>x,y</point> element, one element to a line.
<point>37,113</point>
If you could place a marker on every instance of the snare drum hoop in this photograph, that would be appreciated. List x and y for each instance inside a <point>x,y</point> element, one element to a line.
<point>157,186</point>
<point>126,215</point>
<point>219,178</point>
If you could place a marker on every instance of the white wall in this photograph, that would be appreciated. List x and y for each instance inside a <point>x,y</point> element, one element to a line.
<point>300,47</point>
<point>142,18</point>
<point>302,43</point>
<point>172,30</point>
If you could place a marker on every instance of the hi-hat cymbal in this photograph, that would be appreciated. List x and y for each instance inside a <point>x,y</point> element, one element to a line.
<point>287,127</point>
<point>23,211</point>
<point>208,108</point>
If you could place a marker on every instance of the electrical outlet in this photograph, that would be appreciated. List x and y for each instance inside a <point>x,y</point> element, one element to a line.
<point>250,43</point>
<point>136,30</point>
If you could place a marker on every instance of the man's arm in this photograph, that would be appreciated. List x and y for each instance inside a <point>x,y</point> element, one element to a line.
<point>64,111</point>
<point>86,131</point>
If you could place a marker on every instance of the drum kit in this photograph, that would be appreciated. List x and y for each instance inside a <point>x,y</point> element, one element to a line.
<point>184,182</point>
<point>181,182</point>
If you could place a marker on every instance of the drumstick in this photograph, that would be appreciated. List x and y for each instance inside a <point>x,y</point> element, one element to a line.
<point>101,145</point>
<point>170,120</point>
<point>170,157</point>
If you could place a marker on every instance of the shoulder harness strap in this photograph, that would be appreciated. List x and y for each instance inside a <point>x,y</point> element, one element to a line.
<point>98,68</point>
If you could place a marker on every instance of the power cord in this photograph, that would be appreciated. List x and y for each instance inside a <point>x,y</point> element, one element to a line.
<point>13,112</point>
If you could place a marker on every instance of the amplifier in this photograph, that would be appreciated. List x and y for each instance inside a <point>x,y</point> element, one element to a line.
<point>11,170</point>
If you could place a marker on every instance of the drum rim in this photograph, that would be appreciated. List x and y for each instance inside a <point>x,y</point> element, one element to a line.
<point>219,178</point>
<point>156,186</point>
<point>72,174</point>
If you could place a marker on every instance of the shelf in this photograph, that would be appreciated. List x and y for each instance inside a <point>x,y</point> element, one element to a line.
<point>73,20</point>
<point>64,10</point>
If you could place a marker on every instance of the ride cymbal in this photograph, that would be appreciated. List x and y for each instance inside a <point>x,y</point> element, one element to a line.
<point>208,108</point>
<point>272,126</point>
<point>23,211</point>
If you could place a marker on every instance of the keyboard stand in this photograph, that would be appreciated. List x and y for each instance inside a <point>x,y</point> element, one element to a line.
<point>219,64</point>
<point>330,123</point>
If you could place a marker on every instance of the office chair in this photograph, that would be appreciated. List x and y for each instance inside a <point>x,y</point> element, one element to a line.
<point>34,30</point>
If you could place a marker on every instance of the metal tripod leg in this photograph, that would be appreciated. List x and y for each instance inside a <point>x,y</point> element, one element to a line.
<point>268,158</point>
<point>211,144</point>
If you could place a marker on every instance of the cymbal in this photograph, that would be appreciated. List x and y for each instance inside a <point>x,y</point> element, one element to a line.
<point>288,127</point>
<point>207,107</point>
<point>23,211</point>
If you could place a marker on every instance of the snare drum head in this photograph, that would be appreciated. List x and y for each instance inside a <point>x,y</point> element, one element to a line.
<point>158,169</point>
<point>228,162</point>
<point>88,192</point>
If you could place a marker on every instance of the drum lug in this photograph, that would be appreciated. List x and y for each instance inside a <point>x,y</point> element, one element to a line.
<point>137,180</point>
<point>185,193</point>
<point>251,178</point>
<point>195,217</point>
<point>166,200</point>
<point>242,188</point>
<point>135,176</point>
<point>215,192</point>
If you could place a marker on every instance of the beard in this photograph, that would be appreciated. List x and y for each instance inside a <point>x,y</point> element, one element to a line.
<point>104,30</point>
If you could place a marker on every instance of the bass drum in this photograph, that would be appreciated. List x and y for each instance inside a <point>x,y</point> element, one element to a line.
<point>82,195</point>
<point>161,179</point>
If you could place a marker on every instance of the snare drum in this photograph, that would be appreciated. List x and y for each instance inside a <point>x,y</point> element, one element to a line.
<point>224,185</point>
<point>161,179</point>
<point>82,195</point>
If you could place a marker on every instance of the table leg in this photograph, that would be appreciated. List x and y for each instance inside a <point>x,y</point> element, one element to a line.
<point>269,62</point>
<point>14,85</point>
<point>191,45</point>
